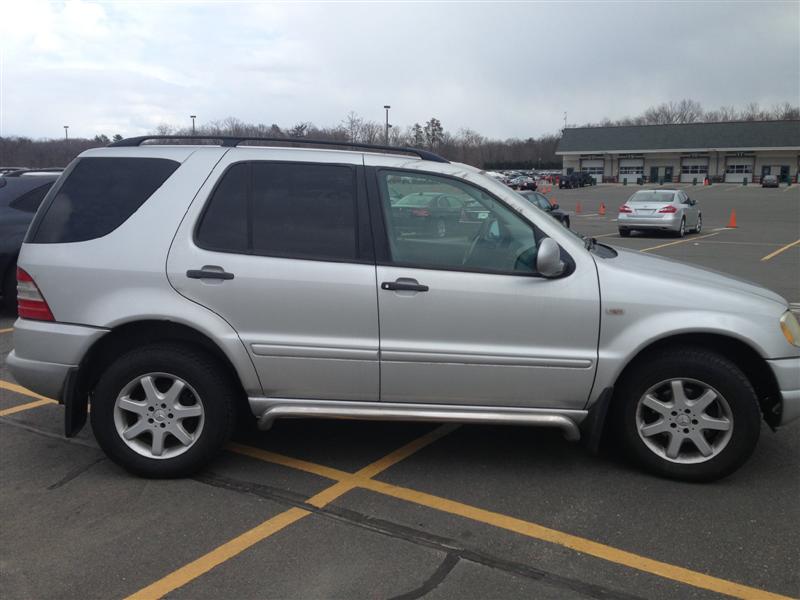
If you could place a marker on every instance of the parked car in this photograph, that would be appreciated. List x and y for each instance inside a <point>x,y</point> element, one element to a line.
<point>523,182</point>
<point>569,181</point>
<point>427,213</point>
<point>770,181</point>
<point>541,202</point>
<point>660,210</point>
<point>20,196</point>
<point>173,284</point>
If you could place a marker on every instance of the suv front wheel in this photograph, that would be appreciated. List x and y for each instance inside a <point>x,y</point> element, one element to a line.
<point>688,414</point>
<point>163,410</point>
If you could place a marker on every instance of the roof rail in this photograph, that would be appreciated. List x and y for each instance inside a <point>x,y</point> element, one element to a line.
<point>233,141</point>
<point>19,172</point>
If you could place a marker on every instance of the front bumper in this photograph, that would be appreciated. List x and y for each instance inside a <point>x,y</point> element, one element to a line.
<point>668,222</point>
<point>787,375</point>
<point>45,352</point>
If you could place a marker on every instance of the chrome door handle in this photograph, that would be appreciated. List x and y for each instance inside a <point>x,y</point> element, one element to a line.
<point>404,284</point>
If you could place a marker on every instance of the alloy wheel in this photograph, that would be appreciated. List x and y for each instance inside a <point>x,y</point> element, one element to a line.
<point>159,415</point>
<point>684,421</point>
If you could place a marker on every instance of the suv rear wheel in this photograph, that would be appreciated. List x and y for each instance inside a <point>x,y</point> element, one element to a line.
<point>688,414</point>
<point>163,411</point>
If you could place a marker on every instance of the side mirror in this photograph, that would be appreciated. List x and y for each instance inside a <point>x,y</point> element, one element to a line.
<point>548,259</point>
<point>554,207</point>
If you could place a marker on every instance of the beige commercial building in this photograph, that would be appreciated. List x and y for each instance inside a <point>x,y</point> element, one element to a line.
<point>724,152</point>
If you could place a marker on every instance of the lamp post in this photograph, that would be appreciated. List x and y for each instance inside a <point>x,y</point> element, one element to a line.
<point>193,117</point>
<point>386,133</point>
<point>66,132</point>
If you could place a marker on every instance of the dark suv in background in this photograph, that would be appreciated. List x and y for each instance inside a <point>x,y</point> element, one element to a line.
<point>21,193</point>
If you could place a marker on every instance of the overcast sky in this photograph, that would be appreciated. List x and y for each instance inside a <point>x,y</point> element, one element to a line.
<point>503,69</point>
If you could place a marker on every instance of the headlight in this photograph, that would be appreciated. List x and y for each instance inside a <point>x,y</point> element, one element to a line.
<point>790,328</point>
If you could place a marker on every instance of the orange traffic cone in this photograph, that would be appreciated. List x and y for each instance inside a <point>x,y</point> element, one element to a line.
<point>602,210</point>
<point>732,220</point>
<point>578,209</point>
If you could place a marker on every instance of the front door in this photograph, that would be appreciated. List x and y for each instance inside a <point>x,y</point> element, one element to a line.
<point>668,174</point>
<point>653,174</point>
<point>465,318</point>
<point>281,251</point>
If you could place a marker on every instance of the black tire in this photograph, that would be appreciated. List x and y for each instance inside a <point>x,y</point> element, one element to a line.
<point>624,233</point>
<point>10,290</point>
<point>681,229</point>
<point>566,222</point>
<point>202,372</point>
<point>689,363</point>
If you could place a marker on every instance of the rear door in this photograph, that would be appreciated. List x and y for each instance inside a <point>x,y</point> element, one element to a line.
<point>465,319</point>
<point>281,249</point>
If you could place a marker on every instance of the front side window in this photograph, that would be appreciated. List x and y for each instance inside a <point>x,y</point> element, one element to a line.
<point>293,210</point>
<point>471,231</point>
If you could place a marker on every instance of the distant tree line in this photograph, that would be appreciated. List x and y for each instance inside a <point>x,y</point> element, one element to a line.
<point>466,145</point>
<point>691,111</point>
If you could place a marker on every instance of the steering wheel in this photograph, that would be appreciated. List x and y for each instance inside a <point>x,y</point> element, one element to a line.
<point>481,235</point>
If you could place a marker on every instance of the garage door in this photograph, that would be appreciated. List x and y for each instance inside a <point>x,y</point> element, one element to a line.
<point>736,169</point>
<point>694,168</point>
<point>631,169</point>
<point>594,168</point>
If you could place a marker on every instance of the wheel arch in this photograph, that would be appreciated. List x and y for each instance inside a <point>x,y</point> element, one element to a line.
<point>744,356</point>
<point>128,336</point>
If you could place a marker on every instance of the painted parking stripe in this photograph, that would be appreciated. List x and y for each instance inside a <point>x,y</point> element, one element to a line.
<point>533,530</point>
<point>15,409</point>
<point>239,544</point>
<point>577,543</point>
<point>682,241</point>
<point>13,387</point>
<point>779,250</point>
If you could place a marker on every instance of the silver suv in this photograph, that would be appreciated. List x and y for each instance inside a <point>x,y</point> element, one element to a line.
<point>171,285</point>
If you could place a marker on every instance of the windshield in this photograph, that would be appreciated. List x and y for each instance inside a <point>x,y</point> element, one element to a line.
<point>652,196</point>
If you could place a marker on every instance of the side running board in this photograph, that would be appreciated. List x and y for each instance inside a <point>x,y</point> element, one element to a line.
<point>269,409</point>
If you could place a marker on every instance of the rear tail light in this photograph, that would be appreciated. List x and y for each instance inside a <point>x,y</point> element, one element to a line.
<point>421,212</point>
<point>625,209</point>
<point>668,209</point>
<point>30,302</point>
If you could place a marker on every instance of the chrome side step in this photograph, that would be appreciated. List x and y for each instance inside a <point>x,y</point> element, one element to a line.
<point>269,409</point>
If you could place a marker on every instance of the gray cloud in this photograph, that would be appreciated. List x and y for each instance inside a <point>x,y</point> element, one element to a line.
<point>503,69</point>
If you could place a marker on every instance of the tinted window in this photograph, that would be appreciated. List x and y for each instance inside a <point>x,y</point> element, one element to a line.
<point>224,224</point>
<point>98,195</point>
<point>30,201</point>
<point>485,236</point>
<point>304,210</point>
<point>283,209</point>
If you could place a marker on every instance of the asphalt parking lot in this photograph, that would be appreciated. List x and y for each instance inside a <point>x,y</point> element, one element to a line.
<point>334,509</point>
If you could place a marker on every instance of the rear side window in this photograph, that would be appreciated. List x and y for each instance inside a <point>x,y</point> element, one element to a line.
<point>283,209</point>
<point>98,195</point>
<point>30,201</point>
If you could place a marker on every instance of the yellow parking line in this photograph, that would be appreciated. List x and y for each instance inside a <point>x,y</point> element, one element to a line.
<point>347,482</point>
<point>779,250</point>
<point>13,387</point>
<point>574,542</point>
<point>789,188</point>
<point>9,330</point>
<point>683,241</point>
<point>15,409</point>
<point>219,555</point>
<point>579,544</point>
<point>239,544</point>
